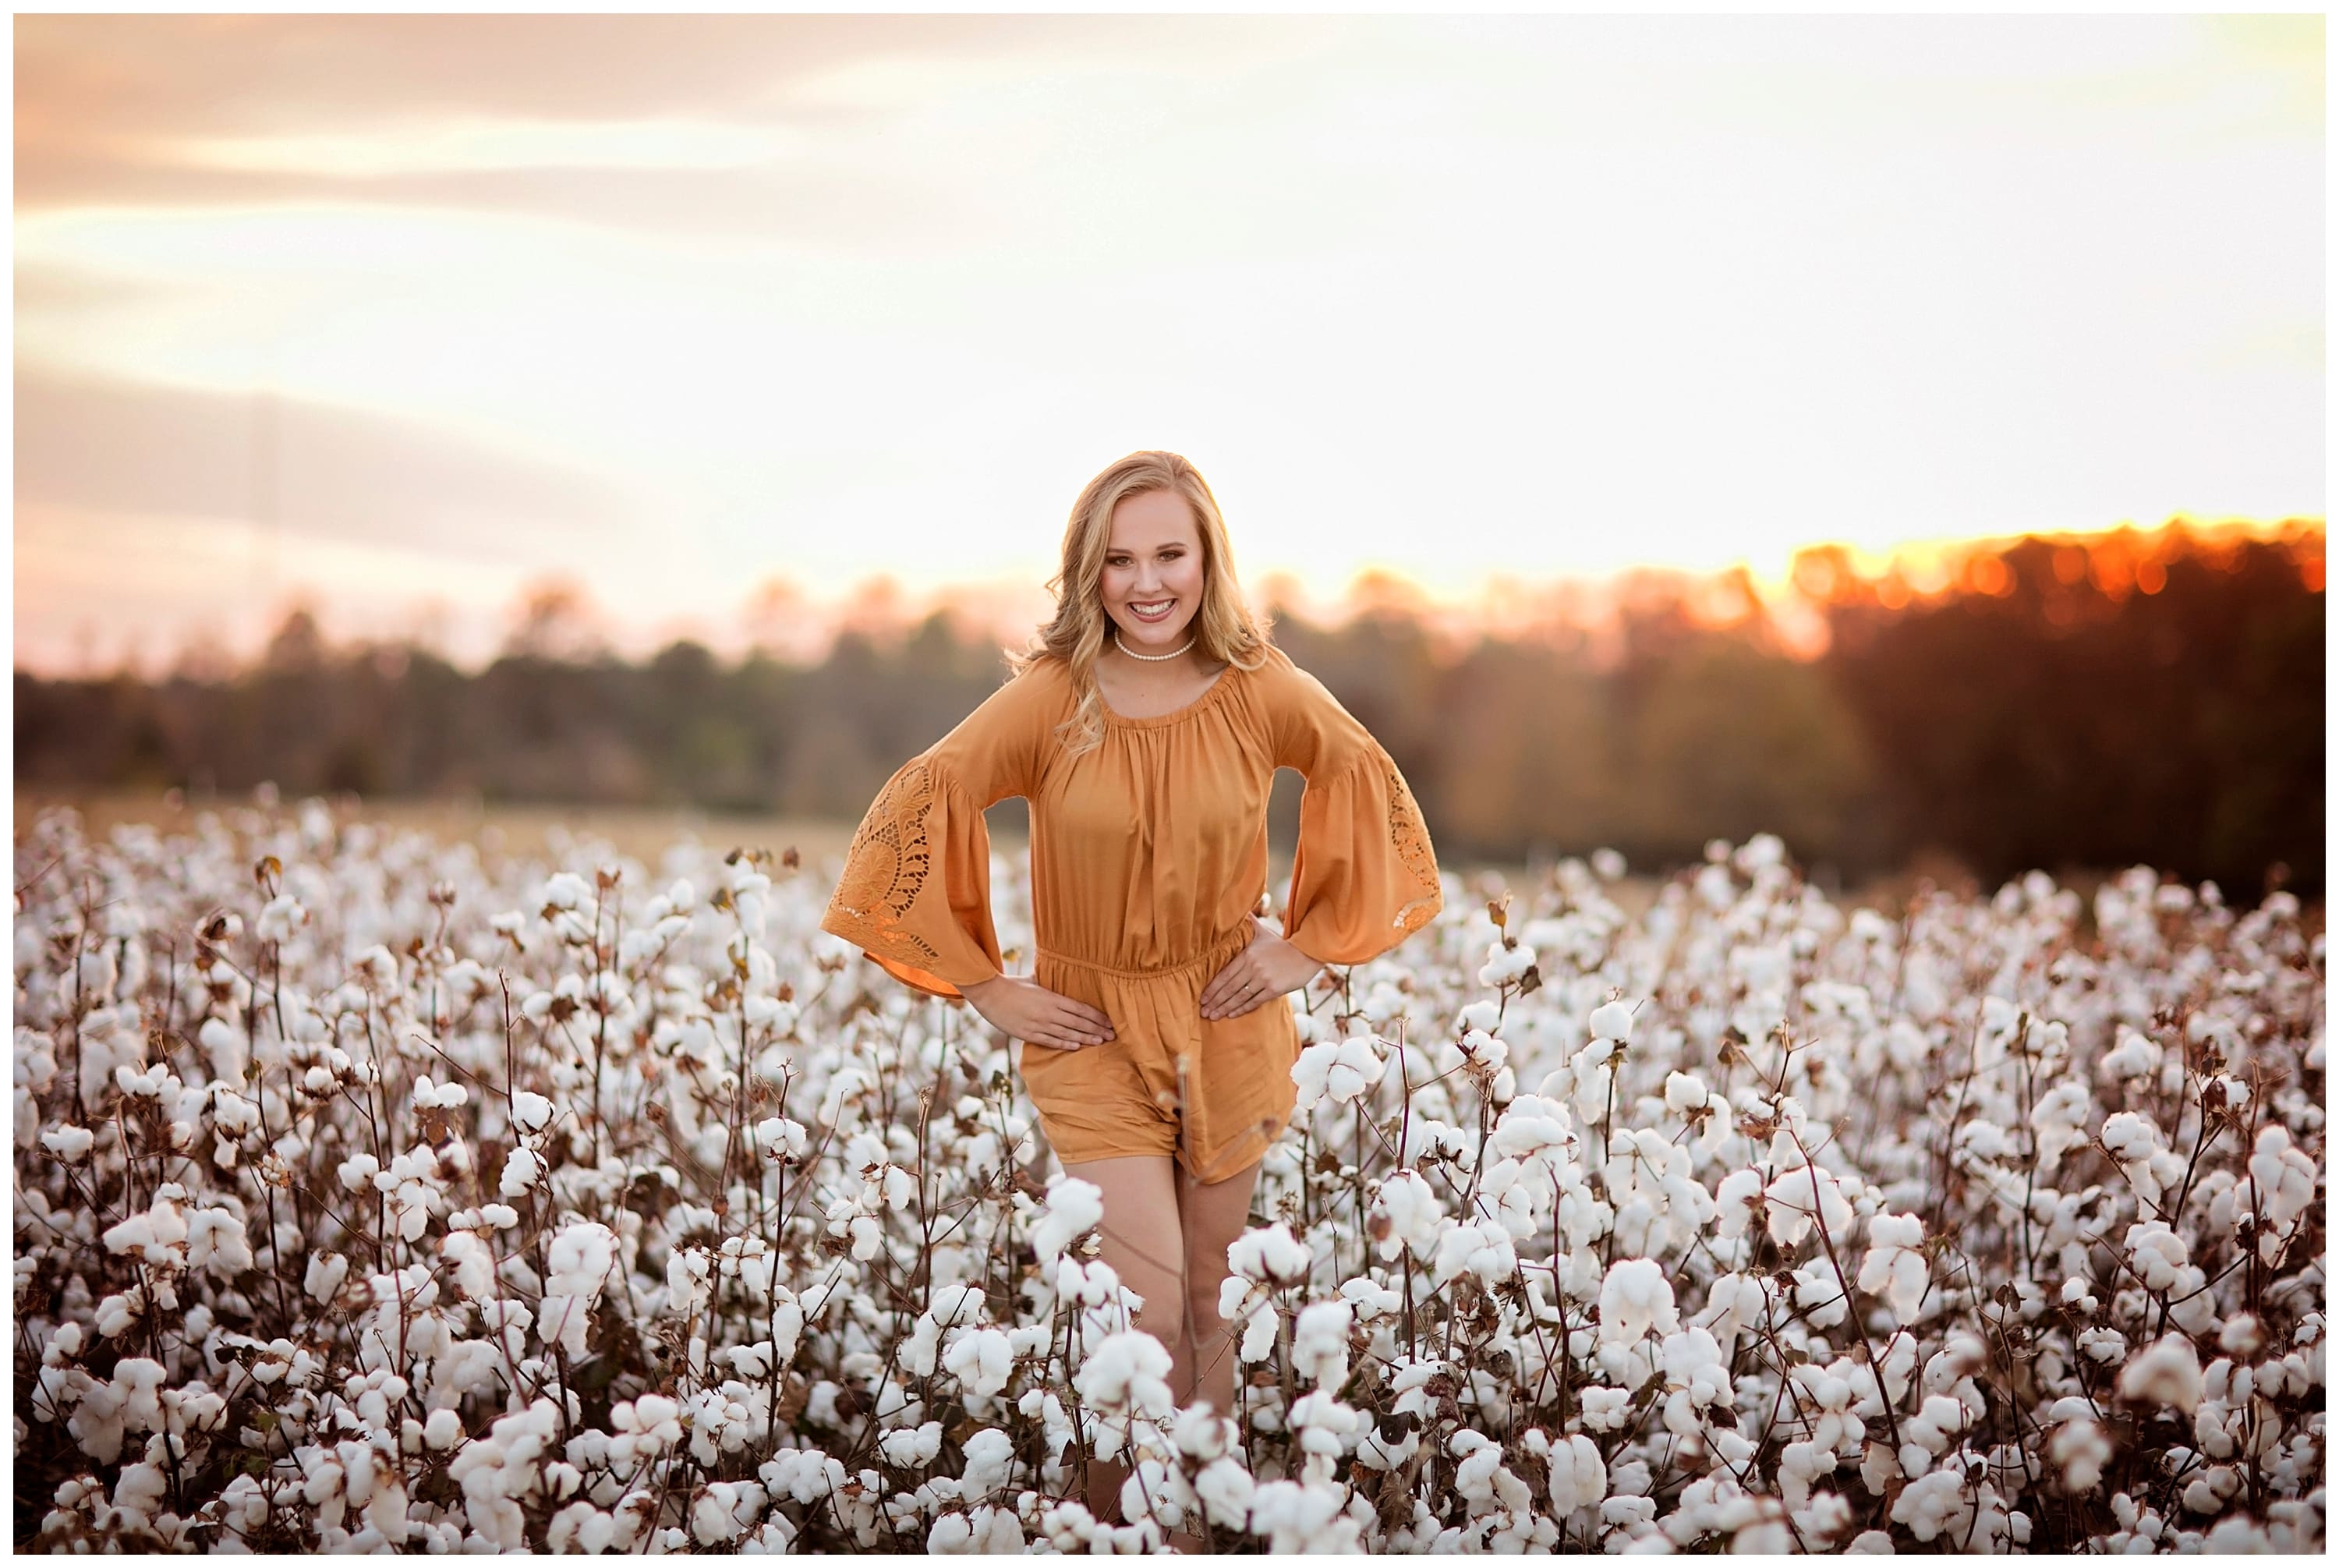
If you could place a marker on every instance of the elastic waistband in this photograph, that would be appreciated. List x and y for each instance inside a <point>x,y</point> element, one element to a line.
<point>1215,953</point>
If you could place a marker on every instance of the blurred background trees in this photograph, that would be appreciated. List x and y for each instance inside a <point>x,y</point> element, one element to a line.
<point>2050,704</point>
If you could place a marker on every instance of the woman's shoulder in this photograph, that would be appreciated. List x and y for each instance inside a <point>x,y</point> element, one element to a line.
<point>1279,682</point>
<point>1307,727</point>
<point>1044,677</point>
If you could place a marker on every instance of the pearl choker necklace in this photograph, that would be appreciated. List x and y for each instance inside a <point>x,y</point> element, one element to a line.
<point>1150,658</point>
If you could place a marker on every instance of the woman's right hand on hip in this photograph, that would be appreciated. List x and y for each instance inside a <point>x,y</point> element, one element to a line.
<point>1027,1011</point>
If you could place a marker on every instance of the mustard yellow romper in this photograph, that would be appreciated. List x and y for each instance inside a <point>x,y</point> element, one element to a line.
<point>1148,855</point>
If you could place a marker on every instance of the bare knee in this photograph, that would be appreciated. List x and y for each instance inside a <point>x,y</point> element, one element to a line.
<point>1165,1318</point>
<point>1202,1300</point>
<point>1158,1276</point>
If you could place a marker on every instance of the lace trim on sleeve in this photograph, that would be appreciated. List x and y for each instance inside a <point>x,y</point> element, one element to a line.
<point>1409,836</point>
<point>885,867</point>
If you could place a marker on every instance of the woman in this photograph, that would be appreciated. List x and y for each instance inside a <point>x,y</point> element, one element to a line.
<point>1145,725</point>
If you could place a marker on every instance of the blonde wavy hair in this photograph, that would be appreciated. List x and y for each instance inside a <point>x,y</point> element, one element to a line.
<point>1224,627</point>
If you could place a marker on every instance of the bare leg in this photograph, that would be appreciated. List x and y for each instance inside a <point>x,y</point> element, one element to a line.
<point>1140,1238</point>
<point>1211,1217</point>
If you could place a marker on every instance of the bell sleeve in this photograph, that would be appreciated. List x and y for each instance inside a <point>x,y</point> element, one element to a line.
<point>1364,876</point>
<point>915,893</point>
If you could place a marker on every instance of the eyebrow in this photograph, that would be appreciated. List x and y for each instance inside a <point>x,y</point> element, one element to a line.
<point>1162,550</point>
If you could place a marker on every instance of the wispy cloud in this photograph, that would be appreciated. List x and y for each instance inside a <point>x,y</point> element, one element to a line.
<point>827,295</point>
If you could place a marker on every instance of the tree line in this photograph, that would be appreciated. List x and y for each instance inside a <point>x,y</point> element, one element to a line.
<point>2153,698</point>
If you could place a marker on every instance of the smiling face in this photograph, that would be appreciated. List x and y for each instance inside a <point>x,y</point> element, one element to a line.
<point>1153,571</point>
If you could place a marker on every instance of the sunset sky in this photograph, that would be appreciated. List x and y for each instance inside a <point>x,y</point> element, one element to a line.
<point>406,313</point>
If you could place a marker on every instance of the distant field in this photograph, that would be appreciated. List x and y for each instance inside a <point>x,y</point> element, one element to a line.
<point>529,830</point>
<point>643,833</point>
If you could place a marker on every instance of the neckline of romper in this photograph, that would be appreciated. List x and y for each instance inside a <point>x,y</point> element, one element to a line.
<point>1209,695</point>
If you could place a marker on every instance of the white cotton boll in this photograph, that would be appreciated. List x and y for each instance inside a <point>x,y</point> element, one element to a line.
<point>1092,1285</point>
<point>2242,1336</point>
<point>1893,1268</point>
<point>1736,1200</point>
<point>779,1138</point>
<point>2157,1254</point>
<point>1476,1048</point>
<point>1270,1255</point>
<point>216,1241</point>
<point>2081,1450</point>
<point>530,1113</point>
<point>1929,1433</point>
<point>564,1321</point>
<point>1376,1451</point>
<point>689,1281</point>
<point>325,1273</point>
<point>1073,1208</point>
<point>1357,1065</point>
<point>1258,1334</point>
<point>234,1115</point>
<point>1612,1021</point>
<point>474,1266</point>
<point>1295,1518</point>
<point>982,1359</point>
<point>358,1171</point>
<point>1405,1213</point>
<point>142,1085</point>
<point>1692,1360</point>
<point>990,1463</point>
<point>110,1039</point>
<point>1685,1092</point>
<point>1635,1298</point>
<point>523,1168</point>
<point>1604,1408</point>
<point>1225,1488</point>
<point>2059,1119</point>
<point>1891,1230</point>
<point>565,890</point>
<point>911,1448</point>
<point>280,919</point>
<point>1311,1071</point>
<point>1324,1424</point>
<point>579,1259</point>
<point>956,1304</point>
<point>2167,1372</point>
<point>1798,1197</point>
<point>2282,1178</point>
<point>71,1144</point>
<point>1483,1249</point>
<point>1478,1015</point>
<point>1933,1505</point>
<point>1319,1344</point>
<point>2134,1055</point>
<point>1579,1476</point>
<point>2104,1346</point>
<point>1368,1298</point>
<point>1533,1127</point>
<point>226,1049</point>
<point>1506,964</point>
<point>442,1430</point>
<point>1126,1369</point>
<point>2132,1140</point>
<point>1202,1434</point>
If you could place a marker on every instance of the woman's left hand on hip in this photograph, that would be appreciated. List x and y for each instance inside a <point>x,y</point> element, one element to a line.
<point>1268,967</point>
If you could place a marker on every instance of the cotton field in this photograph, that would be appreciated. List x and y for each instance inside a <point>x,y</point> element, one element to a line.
<point>370,1197</point>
